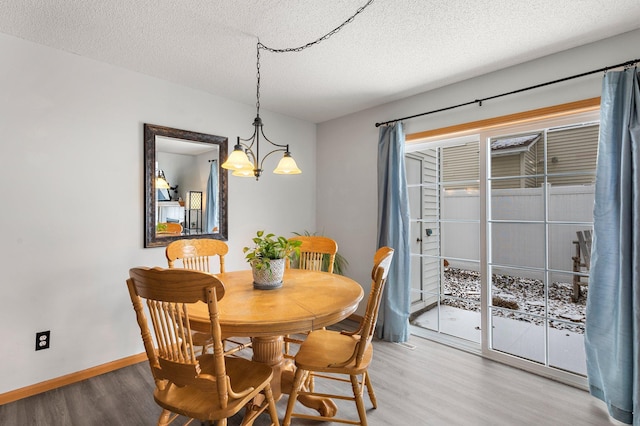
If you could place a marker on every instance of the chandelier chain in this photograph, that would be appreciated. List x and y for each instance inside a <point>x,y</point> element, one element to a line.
<point>321,39</point>
<point>287,165</point>
<point>298,49</point>
<point>258,79</point>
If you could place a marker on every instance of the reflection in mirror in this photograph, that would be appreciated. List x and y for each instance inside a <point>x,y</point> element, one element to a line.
<point>185,187</point>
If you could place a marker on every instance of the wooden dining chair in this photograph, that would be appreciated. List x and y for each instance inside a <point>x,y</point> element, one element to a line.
<point>317,253</point>
<point>210,387</point>
<point>169,228</point>
<point>198,254</point>
<point>331,355</point>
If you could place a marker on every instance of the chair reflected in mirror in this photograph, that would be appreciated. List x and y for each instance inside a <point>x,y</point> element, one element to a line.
<point>168,229</point>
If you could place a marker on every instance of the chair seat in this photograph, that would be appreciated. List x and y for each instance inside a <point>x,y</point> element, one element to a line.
<point>325,350</point>
<point>195,403</point>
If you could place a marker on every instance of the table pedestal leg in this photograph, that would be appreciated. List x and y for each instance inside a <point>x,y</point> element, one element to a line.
<point>269,350</point>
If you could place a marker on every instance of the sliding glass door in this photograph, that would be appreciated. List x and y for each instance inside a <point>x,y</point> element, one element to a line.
<point>444,201</point>
<point>501,234</point>
<point>540,206</point>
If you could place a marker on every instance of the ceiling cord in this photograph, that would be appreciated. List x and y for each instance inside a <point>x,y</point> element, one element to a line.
<point>319,40</point>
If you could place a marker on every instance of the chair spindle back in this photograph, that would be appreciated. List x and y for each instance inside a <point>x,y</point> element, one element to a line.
<point>196,253</point>
<point>167,292</point>
<point>313,250</point>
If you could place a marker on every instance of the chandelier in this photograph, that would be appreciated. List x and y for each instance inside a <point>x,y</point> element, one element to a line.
<point>245,159</point>
<point>239,160</point>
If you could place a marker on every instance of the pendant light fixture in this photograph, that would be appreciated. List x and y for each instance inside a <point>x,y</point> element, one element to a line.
<point>245,159</point>
<point>239,161</point>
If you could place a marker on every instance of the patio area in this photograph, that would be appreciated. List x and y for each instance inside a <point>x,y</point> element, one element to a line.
<point>515,330</point>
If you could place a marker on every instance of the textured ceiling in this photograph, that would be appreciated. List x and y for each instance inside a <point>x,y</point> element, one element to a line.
<point>393,49</point>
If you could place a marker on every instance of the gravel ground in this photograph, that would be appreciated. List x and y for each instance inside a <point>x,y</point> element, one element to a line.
<point>520,296</point>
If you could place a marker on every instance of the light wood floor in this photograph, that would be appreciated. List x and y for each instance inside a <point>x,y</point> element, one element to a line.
<point>429,385</point>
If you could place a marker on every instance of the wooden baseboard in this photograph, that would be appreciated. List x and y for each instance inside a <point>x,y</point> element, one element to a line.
<point>70,378</point>
<point>78,376</point>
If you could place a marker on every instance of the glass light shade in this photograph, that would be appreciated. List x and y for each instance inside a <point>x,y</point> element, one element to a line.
<point>287,166</point>
<point>161,183</point>
<point>195,200</point>
<point>237,160</point>
<point>244,171</point>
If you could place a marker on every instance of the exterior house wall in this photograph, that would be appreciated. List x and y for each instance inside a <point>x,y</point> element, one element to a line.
<point>572,151</point>
<point>460,164</point>
<point>531,161</point>
<point>421,242</point>
<point>507,165</point>
<point>569,151</point>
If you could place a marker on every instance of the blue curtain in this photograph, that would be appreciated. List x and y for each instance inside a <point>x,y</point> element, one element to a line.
<point>393,231</point>
<point>612,332</point>
<point>212,198</point>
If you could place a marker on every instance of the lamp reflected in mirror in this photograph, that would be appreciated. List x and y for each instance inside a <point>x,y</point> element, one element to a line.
<point>195,210</point>
<point>195,200</point>
<point>161,181</point>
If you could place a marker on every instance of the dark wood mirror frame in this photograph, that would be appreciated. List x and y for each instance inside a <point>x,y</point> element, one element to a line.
<point>151,131</point>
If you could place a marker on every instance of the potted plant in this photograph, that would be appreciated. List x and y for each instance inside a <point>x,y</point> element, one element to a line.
<point>267,258</point>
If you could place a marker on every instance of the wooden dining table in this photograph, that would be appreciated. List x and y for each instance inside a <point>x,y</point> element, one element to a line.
<point>307,300</point>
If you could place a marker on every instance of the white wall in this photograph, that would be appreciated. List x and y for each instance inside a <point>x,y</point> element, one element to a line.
<point>71,168</point>
<point>347,146</point>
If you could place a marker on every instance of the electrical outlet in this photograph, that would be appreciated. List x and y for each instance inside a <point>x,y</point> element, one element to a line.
<point>43,339</point>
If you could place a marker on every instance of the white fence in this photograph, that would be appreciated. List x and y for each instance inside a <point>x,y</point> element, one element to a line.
<point>570,208</point>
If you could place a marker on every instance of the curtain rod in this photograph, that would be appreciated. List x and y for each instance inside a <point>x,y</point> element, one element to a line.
<point>479,101</point>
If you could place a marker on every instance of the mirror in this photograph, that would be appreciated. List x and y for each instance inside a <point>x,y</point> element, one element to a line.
<point>185,189</point>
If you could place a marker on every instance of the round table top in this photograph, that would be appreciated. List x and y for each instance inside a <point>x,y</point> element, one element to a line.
<point>306,301</point>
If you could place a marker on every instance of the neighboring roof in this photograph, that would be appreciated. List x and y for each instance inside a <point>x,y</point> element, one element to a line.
<point>514,145</point>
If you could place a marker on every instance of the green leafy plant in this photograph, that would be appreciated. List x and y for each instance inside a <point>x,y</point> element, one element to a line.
<point>268,247</point>
<point>339,264</point>
<point>161,227</point>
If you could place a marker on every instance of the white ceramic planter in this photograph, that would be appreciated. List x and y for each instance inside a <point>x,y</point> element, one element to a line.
<point>267,279</point>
